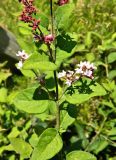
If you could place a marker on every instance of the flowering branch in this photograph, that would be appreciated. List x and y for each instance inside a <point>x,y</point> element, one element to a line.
<point>27,17</point>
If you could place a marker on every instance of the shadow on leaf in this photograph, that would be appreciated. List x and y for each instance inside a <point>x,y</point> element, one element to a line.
<point>83,88</point>
<point>66,43</point>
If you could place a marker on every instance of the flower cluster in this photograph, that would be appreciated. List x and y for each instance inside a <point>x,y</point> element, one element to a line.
<point>27,13</point>
<point>27,16</point>
<point>62,2</point>
<point>68,76</point>
<point>23,56</point>
<point>83,69</point>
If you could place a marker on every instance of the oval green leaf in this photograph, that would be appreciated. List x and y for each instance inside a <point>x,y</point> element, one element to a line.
<point>80,155</point>
<point>49,144</point>
<point>21,147</point>
<point>25,102</point>
<point>65,121</point>
<point>38,61</point>
<point>62,15</point>
<point>78,98</point>
<point>33,106</point>
<point>112,57</point>
<point>41,65</point>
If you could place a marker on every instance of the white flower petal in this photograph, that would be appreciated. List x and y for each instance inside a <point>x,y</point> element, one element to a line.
<point>68,83</point>
<point>88,73</point>
<point>69,73</point>
<point>22,54</point>
<point>61,74</point>
<point>20,65</point>
<point>79,70</point>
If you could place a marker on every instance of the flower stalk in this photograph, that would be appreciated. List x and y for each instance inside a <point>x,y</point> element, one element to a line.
<point>55,74</point>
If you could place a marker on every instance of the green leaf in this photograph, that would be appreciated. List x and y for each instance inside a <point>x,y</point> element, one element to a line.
<point>44,20</point>
<point>112,57</point>
<point>28,73</point>
<point>65,121</point>
<point>109,86</point>
<point>41,62</point>
<point>2,148</point>
<point>80,47</point>
<point>33,106</point>
<point>24,29</point>
<point>14,133</point>
<point>33,140</point>
<point>68,48</point>
<point>49,66</point>
<point>25,102</point>
<point>88,40</point>
<point>11,96</point>
<point>98,90</point>
<point>90,57</point>
<point>80,155</point>
<point>91,37</point>
<point>112,74</point>
<point>112,132</point>
<point>27,45</point>
<point>98,145</point>
<point>3,64</point>
<point>49,144</point>
<point>80,130</point>
<point>107,45</point>
<point>102,145</point>
<point>63,16</point>
<point>78,98</point>
<point>61,56</point>
<point>109,104</point>
<point>4,76</point>
<point>3,95</point>
<point>113,95</point>
<point>21,147</point>
<point>100,63</point>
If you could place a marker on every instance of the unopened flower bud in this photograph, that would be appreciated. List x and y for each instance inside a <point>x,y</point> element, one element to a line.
<point>49,39</point>
<point>62,2</point>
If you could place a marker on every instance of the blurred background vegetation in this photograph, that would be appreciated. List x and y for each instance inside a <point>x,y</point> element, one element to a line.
<point>94,24</point>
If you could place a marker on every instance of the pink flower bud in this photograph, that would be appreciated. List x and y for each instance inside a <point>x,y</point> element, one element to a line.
<point>62,2</point>
<point>48,39</point>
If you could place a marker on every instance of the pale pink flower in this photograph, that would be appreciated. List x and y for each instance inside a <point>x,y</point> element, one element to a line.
<point>79,70</point>
<point>23,55</point>
<point>61,74</point>
<point>85,69</point>
<point>88,73</point>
